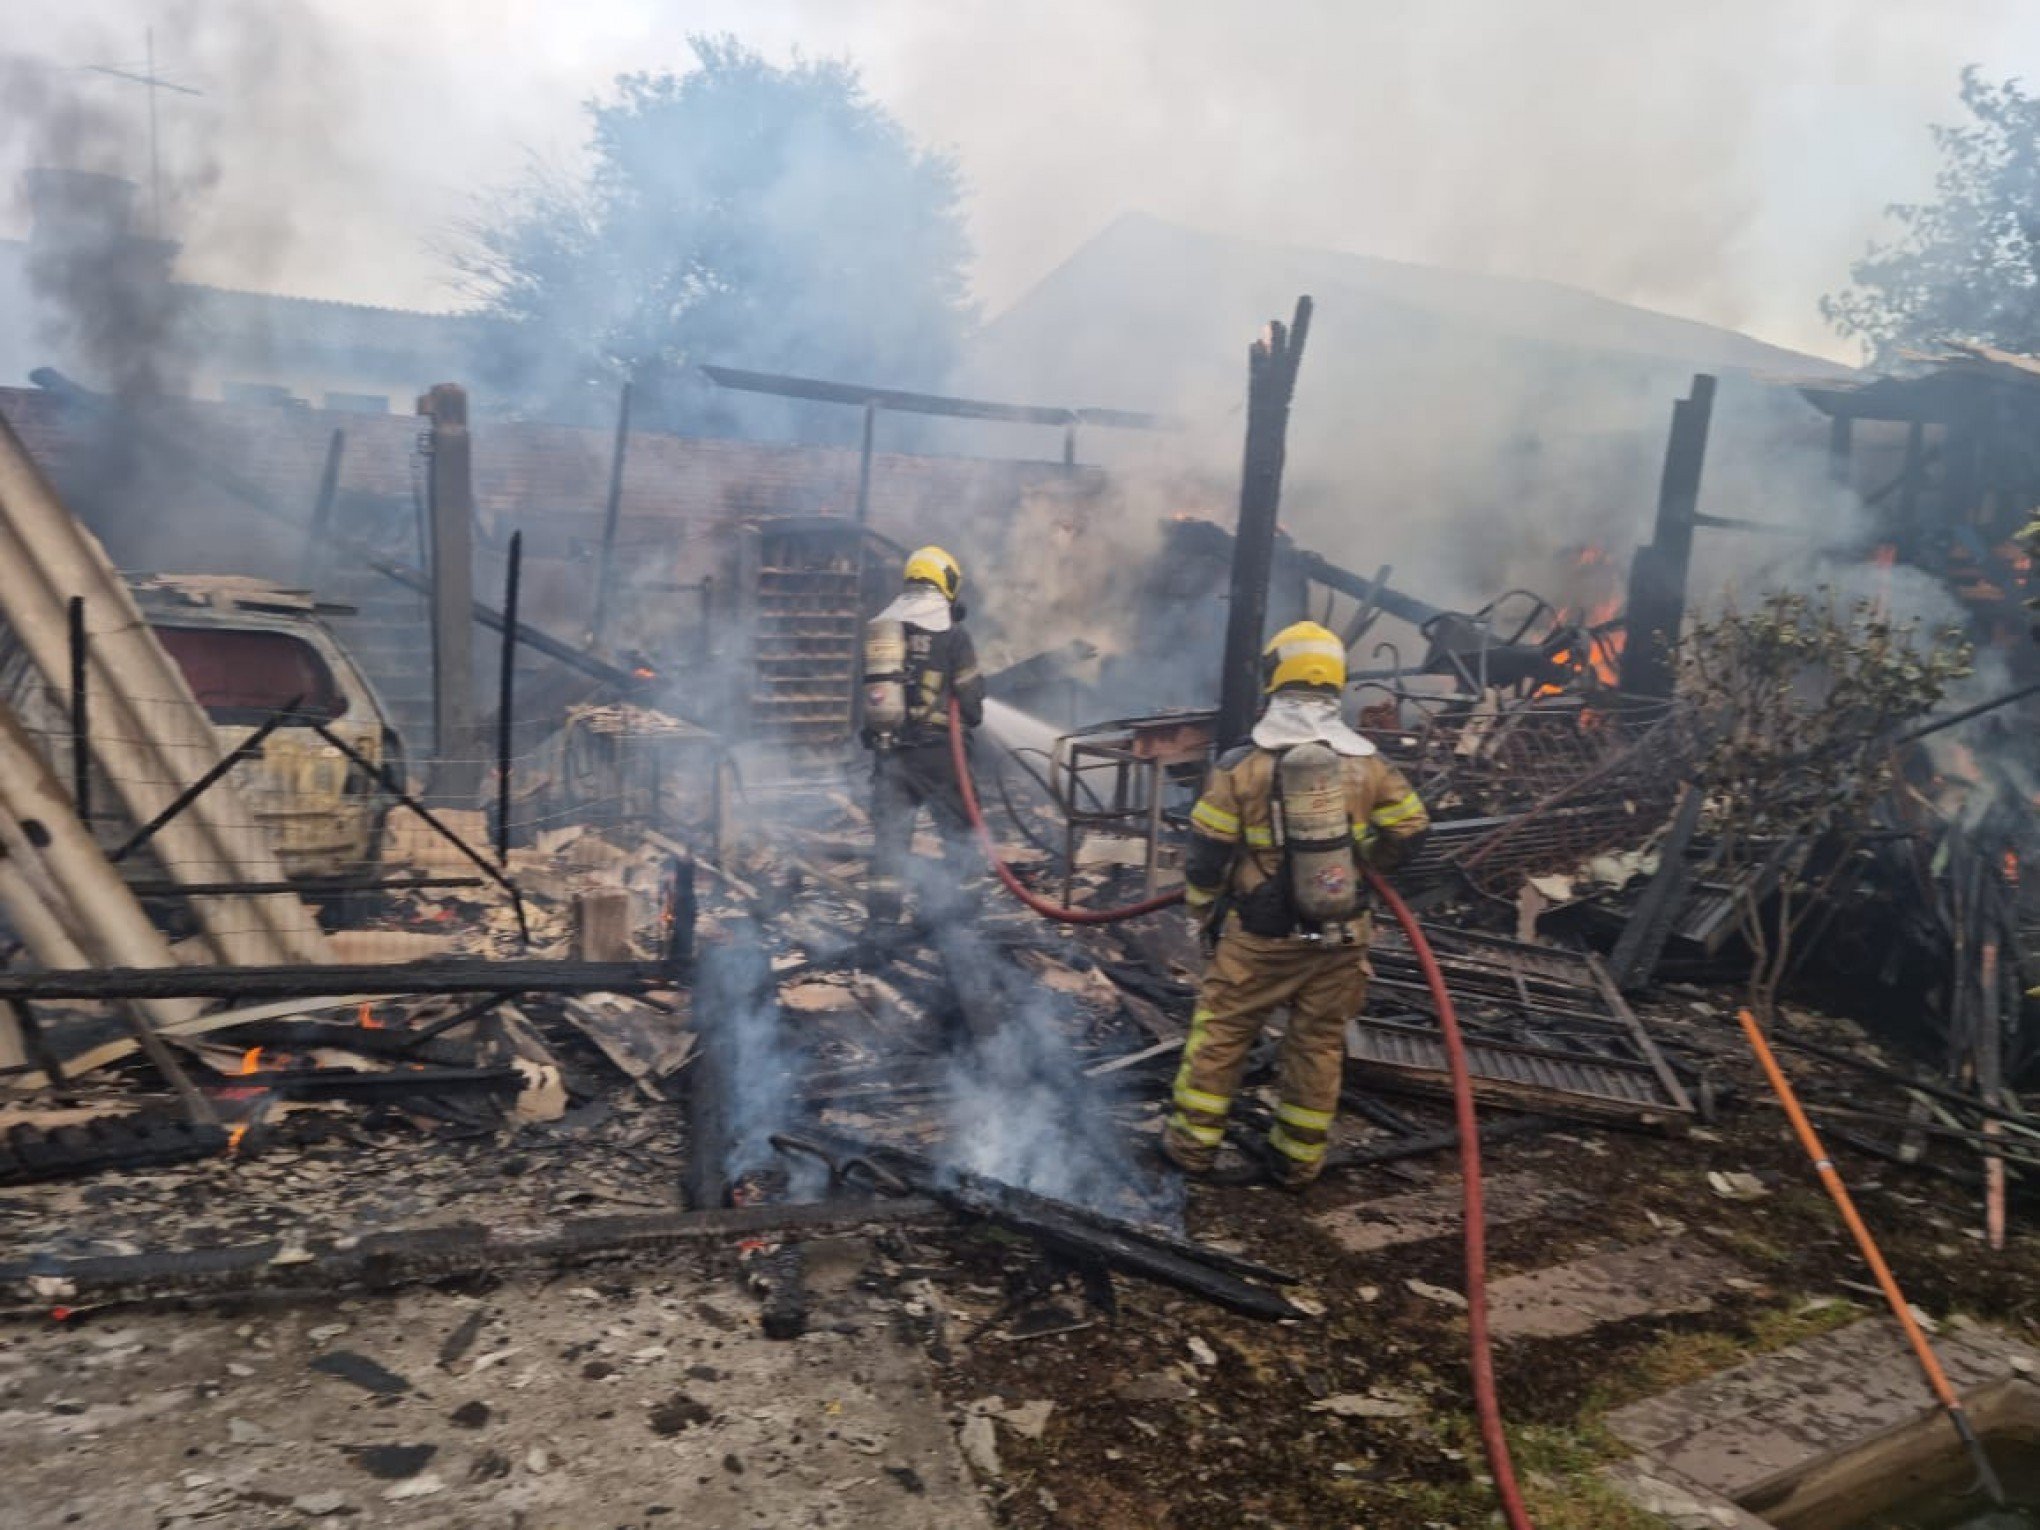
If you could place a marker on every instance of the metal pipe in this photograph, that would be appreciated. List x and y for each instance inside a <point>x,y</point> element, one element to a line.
<point>507,680</point>
<point>395,788</point>
<point>241,751</point>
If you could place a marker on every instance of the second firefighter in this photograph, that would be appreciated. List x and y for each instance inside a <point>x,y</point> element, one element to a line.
<point>917,656</point>
<point>1280,834</point>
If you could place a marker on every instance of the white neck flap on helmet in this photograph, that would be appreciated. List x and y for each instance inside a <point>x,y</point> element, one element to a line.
<point>1302,717</point>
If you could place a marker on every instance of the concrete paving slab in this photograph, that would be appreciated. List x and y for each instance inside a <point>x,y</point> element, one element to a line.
<point>1434,1211</point>
<point>1664,1277</point>
<point>582,1403</point>
<point>1772,1417</point>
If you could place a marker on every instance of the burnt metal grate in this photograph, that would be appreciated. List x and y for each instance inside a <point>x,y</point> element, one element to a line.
<point>1547,1030</point>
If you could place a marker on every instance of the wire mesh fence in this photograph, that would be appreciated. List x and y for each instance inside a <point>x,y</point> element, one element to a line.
<point>325,803</point>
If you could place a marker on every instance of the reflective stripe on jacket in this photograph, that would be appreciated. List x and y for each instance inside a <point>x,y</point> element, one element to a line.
<point>1232,843</point>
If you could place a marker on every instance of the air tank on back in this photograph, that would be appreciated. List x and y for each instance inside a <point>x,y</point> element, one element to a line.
<point>1317,834</point>
<point>885,677</point>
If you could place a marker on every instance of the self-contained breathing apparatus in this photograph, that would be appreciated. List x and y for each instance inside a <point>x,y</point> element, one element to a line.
<point>885,680</point>
<point>1315,893</point>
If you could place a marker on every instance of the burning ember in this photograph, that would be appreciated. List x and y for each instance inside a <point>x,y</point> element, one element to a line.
<point>251,1061</point>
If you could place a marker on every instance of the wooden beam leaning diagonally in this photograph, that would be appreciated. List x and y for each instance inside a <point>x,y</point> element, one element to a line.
<point>149,734</point>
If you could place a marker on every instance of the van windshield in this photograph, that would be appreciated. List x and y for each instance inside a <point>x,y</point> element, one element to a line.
<point>242,676</point>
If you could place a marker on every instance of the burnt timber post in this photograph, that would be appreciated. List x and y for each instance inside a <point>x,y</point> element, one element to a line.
<point>1657,576</point>
<point>1272,363</point>
<point>450,502</point>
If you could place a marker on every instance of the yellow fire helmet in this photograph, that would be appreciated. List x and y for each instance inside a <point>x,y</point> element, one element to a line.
<point>1303,654</point>
<point>931,565</point>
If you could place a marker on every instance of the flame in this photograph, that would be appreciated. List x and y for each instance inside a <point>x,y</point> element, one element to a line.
<point>644,672</point>
<point>251,1060</point>
<point>234,1140</point>
<point>365,1016</point>
<point>2011,867</point>
<point>1591,556</point>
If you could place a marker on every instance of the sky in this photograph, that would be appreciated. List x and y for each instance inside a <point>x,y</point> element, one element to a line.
<point>1721,162</point>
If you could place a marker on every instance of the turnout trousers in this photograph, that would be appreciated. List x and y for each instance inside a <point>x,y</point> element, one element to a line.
<point>903,781</point>
<point>1248,978</point>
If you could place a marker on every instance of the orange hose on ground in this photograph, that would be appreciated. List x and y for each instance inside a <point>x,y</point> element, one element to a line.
<point>1824,1166</point>
<point>1486,1400</point>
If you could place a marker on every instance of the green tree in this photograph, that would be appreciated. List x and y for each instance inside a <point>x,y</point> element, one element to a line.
<point>1965,266</point>
<point>742,213</point>
<point>1799,698</point>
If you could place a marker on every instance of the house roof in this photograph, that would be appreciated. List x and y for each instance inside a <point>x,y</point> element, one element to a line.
<point>1146,302</point>
<point>226,325</point>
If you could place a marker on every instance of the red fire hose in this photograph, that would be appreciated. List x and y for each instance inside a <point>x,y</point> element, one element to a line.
<point>1060,913</point>
<point>1486,1400</point>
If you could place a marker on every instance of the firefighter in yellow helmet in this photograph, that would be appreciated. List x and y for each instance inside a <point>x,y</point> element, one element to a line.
<point>1278,837</point>
<point>918,655</point>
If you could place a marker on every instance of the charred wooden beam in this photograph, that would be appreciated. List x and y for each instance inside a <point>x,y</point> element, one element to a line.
<point>1643,938</point>
<point>1657,577</point>
<point>734,991</point>
<point>378,1087</point>
<point>438,975</point>
<point>1066,1229</point>
<point>386,1260</point>
<point>1272,364</point>
<point>30,1155</point>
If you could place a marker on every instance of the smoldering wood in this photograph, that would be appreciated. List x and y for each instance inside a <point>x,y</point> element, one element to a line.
<point>369,1041</point>
<point>735,980</point>
<point>1069,1230</point>
<point>354,1084</point>
<point>383,1261</point>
